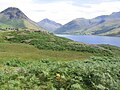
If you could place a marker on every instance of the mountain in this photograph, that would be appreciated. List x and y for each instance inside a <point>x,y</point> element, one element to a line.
<point>73,25</point>
<point>49,25</point>
<point>101,25</point>
<point>13,17</point>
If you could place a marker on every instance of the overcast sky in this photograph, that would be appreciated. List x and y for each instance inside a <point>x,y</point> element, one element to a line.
<point>62,11</point>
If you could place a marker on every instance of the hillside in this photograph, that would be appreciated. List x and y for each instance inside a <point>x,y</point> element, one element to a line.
<point>73,25</point>
<point>101,25</point>
<point>47,41</point>
<point>49,25</point>
<point>13,18</point>
<point>41,61</point>
<point>39,45</point>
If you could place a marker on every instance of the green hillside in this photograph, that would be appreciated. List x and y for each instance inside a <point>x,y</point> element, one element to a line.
<point>4,26</point>
<point>41,61</point>
<point>28,52</point>
<point>16,19</point>
<point>51,46</point>
<point>47,41</point>
<point>36,45</point>
<point>33,59</point>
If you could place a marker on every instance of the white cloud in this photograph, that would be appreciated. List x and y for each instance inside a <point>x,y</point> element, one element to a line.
<point>61,11</point>
<point>102,8</point>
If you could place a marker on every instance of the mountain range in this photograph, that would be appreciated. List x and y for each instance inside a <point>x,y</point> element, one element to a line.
<point>14,18</point>
<point>101,25</point>
<point>49,25</point>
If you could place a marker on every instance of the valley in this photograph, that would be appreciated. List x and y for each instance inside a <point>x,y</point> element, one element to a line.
<point>31,58</point>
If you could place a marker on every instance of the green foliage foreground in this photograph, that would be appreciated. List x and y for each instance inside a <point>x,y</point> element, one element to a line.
<point>94,74</point>
<point>42,61</point>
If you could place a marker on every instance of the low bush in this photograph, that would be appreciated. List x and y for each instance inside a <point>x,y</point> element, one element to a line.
<point>94,74</point>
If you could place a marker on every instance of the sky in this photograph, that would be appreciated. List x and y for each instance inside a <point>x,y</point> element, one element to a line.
<point>62,11</point>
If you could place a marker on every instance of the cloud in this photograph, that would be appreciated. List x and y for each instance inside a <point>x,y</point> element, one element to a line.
<point>79,2</point>
<point>63,11</point>
<point>39,10</point>
<point>48,1</point>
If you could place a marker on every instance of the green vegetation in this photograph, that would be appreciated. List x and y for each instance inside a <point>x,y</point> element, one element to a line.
<point>20,23</point>
<point>114,49</point>
<point>29,52</point>
<point>41,61</point>
<point>47,41</point>
<point>14,23</point>
<point>94,74</point>
<point>32,59</point>
<point>4,26</point>
<point>42,45</point>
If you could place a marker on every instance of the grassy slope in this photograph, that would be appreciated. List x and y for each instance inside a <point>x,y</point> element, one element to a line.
<point>4,26</point>
<point>28,52</point>
<point>41,45</point>
<point>19,23</point>
<point>106,27</point>
<point>25,51</point>
<point>31,25</point>
<point>114,32</point>
<point>39,73</point>
<point>46,41</point>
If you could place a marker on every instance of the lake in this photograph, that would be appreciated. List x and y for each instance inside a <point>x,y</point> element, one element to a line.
<point>92,39</point>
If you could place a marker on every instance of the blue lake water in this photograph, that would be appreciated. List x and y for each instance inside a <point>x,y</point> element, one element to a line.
<point>92,39</point>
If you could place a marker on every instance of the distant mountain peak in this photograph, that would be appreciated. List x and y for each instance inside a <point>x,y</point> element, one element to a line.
<point>13,12</point>
<point>49,24</point>
<point>46,19</point>
<point>80,19</point>
<point>101,25</point>
<point>115,14</point>
<point>10,8</point>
